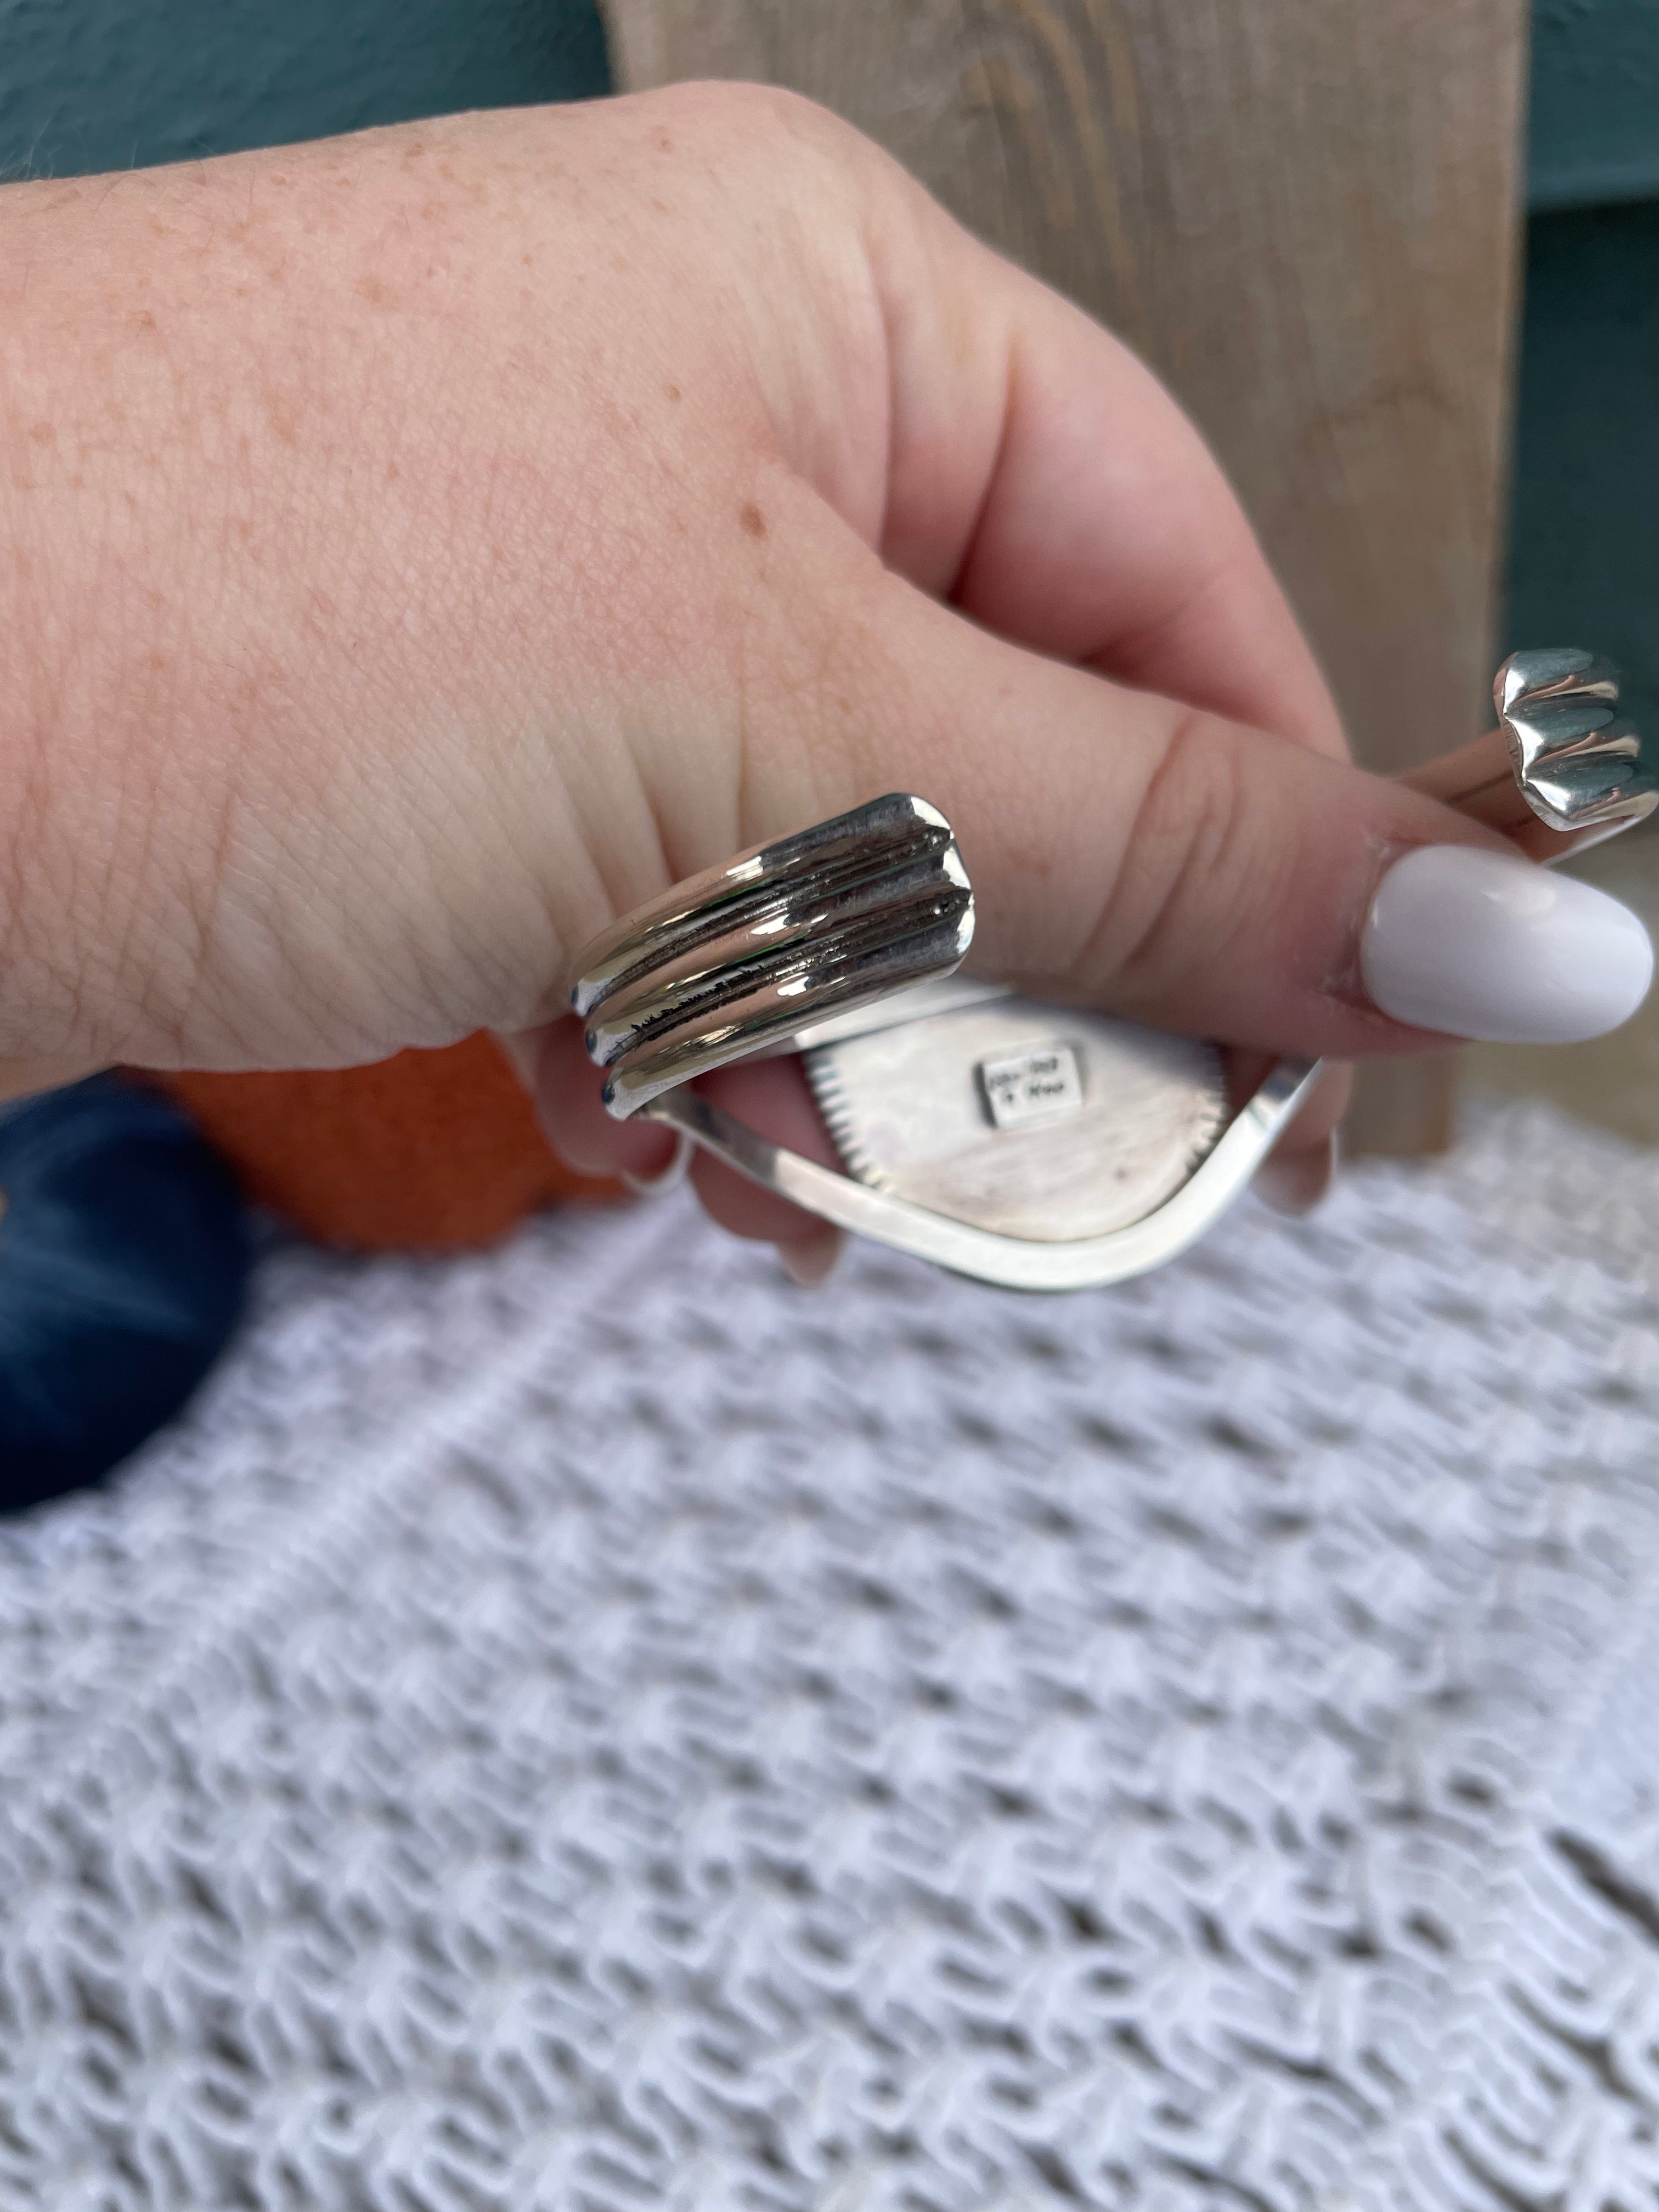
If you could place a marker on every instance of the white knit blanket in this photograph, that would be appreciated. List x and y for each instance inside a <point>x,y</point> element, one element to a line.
<point>588,1727</point>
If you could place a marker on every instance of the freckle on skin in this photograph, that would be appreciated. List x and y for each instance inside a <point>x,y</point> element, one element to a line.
<point>377,293</point>
<point>673,391</point>
<point>144,321</point>
<point>751,518</point>
<point>43,433</point>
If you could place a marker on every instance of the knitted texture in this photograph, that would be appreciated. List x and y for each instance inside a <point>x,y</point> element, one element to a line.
<point>586,1727</point>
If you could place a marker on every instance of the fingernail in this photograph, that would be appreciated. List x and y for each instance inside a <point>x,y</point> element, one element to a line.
<point>1478,945</point>
<point>812,1262</point>
<point>1296,1185</point>
<point>667,1177</point>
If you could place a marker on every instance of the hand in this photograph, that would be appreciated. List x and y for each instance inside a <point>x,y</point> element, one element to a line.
<point>420,548</point>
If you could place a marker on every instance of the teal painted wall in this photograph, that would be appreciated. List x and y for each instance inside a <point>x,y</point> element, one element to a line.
<point>1584,521</point>
<point>1584,528</point>
<point>1594,135</point>
<point>113,84</point>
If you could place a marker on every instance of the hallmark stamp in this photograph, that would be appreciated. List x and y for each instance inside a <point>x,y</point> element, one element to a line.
<point>1045,1083</point>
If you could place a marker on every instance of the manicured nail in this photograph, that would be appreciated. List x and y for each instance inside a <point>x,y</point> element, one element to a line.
<point>1482,945</point>
<point>812,1262</point>
<point>1296,1185</point>
<point>669,1175</point>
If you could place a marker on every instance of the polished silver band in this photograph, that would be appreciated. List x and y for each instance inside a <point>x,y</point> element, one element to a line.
<point>743,957</point>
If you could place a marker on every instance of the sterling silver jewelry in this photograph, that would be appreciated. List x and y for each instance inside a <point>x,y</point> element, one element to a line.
<point>1564,770</point>
<point>745,957</point>
<point>666,1179</point>
<point>1042,1147</point>
<point>1037,1146</point>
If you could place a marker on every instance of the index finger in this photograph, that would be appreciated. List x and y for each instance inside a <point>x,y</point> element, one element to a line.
<point>1043,481</point>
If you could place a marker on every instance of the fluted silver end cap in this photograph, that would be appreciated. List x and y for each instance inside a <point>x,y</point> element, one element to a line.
<point>738,960</point>
<point>1578,762</point>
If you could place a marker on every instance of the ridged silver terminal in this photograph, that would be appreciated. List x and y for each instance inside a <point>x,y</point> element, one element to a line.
<point>733,962</point>
<point>1577,760</point>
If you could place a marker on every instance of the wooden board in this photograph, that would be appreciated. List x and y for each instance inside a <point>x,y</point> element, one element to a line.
<point>1304,214</point>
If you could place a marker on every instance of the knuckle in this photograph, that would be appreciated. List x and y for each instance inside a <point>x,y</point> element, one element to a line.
<point>738,119</point>
<point>801,152</point>
<point>1184,862</point>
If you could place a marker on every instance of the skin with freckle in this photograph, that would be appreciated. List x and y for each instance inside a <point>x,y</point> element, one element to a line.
<point>419,548</point>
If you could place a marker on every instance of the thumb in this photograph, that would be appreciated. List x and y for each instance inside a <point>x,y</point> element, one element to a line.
<point>1186,871</point>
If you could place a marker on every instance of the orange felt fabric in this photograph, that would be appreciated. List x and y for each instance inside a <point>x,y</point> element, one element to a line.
<point>425,1149</point>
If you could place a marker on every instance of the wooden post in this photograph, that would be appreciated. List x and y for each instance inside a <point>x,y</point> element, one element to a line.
<point>1304,214</point>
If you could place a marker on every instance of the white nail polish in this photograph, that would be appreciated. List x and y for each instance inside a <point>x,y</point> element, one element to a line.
<point>1478,944</point>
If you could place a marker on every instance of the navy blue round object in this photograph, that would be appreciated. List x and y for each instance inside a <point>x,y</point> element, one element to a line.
<point>125,1251</point>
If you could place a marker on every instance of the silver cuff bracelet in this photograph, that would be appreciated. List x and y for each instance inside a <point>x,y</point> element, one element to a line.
<point>1037,1146</point>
